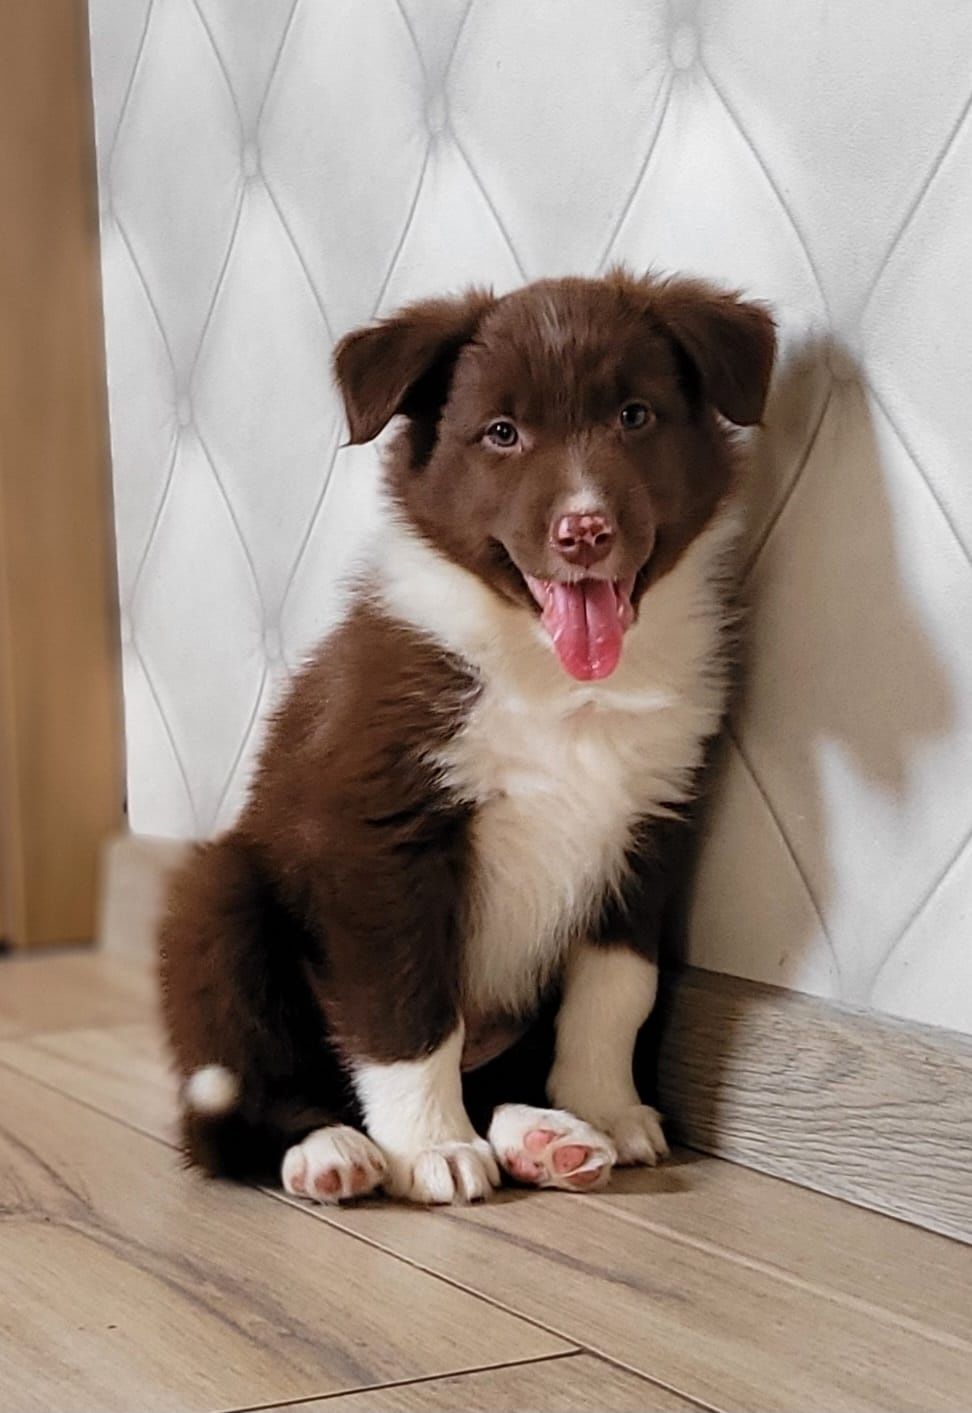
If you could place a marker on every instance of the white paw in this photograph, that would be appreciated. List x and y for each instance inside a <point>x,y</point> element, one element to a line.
<point>444,1172</point>
<point>551,1148</point>
<point>638,1136</point>
<point>332,1165</point>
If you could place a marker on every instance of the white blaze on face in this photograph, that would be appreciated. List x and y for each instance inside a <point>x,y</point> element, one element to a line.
<point>585,614</point>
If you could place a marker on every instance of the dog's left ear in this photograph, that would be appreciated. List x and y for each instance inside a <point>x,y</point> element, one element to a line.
<point>405,363</point>
<point>730,343</point>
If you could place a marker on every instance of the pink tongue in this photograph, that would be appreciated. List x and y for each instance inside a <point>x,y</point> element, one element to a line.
<point>585,626</point>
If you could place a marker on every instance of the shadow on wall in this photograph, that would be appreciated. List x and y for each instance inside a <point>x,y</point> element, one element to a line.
<point>857,681</point>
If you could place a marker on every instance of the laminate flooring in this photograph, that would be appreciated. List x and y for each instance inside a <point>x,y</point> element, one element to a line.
<point>129,1283</point>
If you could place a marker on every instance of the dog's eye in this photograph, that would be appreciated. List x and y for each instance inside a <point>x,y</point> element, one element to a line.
<point>634,415</point>
<point>502,434</point>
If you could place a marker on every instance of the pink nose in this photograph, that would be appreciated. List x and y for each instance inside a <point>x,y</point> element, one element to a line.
<point>583,538</point>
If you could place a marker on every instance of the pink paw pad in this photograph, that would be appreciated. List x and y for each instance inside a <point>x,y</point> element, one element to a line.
<point>550,1148</point>
<point>327,1182</point>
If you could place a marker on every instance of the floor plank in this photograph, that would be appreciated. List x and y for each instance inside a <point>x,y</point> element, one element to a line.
<point>130,1284</point>
<point>59,992</point>
<point>697,1321</point>
<point>913,1274</point>
<point>122,1070</point>
<point>737,1289</point>
<point>577,1383</point>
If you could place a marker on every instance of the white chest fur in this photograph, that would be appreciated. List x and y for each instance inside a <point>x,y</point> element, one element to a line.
<point>560,771</point>
<point>557,793</point>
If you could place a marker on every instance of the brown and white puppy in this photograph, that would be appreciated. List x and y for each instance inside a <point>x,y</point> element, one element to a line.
<point>462,805</point>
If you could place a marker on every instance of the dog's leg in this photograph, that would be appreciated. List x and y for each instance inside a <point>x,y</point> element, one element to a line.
<point>534,1144</point>
<point>414,1111</point>
<point>249,1036</point>
<point>609,992</point>
<point>392,988</point>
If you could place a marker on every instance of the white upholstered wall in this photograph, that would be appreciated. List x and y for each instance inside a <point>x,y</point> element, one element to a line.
<point>274,172</point>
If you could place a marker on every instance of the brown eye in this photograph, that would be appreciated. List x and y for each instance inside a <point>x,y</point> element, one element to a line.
<point>634,415</point>
<point>502,434</point>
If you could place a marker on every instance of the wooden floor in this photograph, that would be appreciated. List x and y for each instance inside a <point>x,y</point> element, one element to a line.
<point>128,1283</point>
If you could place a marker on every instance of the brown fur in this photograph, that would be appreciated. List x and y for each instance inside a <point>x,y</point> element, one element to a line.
<point>324,925</point>
<point>687,350</point>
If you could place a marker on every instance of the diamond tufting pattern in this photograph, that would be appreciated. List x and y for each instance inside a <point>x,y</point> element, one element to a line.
<point>273,172</point>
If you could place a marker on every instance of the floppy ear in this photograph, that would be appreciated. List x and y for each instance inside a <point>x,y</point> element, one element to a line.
<point>730,344</point>
<point>404,364</point>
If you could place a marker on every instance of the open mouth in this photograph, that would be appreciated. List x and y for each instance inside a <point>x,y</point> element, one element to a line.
<point>586,620</point>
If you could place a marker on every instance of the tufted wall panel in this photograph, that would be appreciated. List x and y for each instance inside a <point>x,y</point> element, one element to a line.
<point>273,172</point>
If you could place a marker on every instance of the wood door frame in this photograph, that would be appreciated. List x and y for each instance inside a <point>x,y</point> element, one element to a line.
<point>60,701</point>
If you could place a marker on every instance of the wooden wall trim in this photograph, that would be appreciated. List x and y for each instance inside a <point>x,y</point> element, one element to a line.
<point>847,1101</point>
<point>60,738</point>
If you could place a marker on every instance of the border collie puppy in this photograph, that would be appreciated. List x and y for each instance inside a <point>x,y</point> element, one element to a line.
<point>462,808</point>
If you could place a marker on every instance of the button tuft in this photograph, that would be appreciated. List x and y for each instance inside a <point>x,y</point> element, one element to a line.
<point>684,47</point>
<point>842,365</point>
<point>437,114</point>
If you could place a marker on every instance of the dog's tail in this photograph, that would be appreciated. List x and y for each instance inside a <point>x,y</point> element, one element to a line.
<point>248,1036</point>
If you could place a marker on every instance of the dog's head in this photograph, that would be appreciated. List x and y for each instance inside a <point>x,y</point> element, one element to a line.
<point>566,442</point>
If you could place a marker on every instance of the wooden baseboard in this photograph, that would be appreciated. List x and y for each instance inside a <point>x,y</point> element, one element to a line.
<point>846,1101</point>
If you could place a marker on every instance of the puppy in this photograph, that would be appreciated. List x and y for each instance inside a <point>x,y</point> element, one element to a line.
<point>465,804</point>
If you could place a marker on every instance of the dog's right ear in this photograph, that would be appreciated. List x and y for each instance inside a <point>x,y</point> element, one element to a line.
<point>404,364</point>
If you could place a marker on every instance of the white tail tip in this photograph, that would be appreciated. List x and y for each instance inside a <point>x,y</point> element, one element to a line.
<point>212,1090</point>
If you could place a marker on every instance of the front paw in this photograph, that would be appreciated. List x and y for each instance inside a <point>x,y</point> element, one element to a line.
<point>638,1137</point>
<point>550,1148</point>
<point>443,1173</point>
